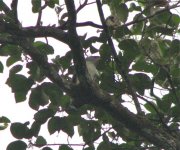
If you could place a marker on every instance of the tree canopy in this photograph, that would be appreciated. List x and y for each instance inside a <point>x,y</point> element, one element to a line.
<point>134,103</point>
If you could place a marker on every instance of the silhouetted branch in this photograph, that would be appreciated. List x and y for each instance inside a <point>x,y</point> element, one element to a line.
<point>117,60</point>
<point>75,44</point>
<point>40,14</point>
<point>151,16</point>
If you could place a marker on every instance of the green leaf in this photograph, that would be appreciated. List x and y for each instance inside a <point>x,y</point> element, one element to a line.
<point>57,124</point>
<point>44,48</point>
<point>163,30</point>
<point>54,124</point>
<point>4,122</point>
<point>65,101</point>
<point>130,47</point>
<point>121,32</point>
<point>122,12</point>
<point>150,107</point>
<point>90,148</point>
<point>38,97</point>
<point>11,50</point>
<point>47,148</point>
<point>17,145</point>
<point>4,119</point>
<point>35,71</point>
<point>19,130</point>
<point>52,3</point>
<point>43,115</point>
<point>165,103</point>
<point>143,66</point>
<point>175,112</point>
<point>90,130</point>
<point>13,59</point>
<point>15,69</point>
<point>20,96</point>
<point>137,28</point>
<point>66,126</point>
<point>174,21</point>
<point>175,47</point>
<point>40,141</point>
<point>36,5</point>
<point>134,7</point>
<point>64,147</point>
<point>136,80</point>
<point>1,67</point>
<point>53,92</point>
<point>162,18</point>
<point>35,128</point>
<point>104,146</point>
<point>20,85</point>
<point>105,52</point>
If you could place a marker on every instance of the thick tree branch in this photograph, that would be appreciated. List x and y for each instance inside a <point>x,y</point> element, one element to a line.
<point>117,60</point>
<point>75,44</point>
<point>34,32</point>
<point>4,7</point>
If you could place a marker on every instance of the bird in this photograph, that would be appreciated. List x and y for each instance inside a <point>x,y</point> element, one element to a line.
<point>91,63</point>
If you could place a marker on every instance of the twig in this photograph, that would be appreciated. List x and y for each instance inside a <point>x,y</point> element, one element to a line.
<point>83,5</point>
<point>173,90</point>
<point>40,14</point>
<point>82,24</point>
<point>159,114</point>
<point>150,16</point>
<point>121,70</point>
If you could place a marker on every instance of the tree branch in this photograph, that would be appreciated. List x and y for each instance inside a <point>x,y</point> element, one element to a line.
<point>4,7</point>
<point>75,44</point>
<point>82,24</point>
<point>34,32</point>
<point>40,14</point>
<point>121,70</point>
<point>151,16</point>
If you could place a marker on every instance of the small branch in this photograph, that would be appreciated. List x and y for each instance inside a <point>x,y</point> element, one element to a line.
<point>121,70</point>
<point>59,144</point>
<point>40,14</point>
<point>82,24</point>
<point>81,6</point>
<point>173,90</point>
<point>148,17</point>
<point>14,5</point>
<point>88,23</point>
